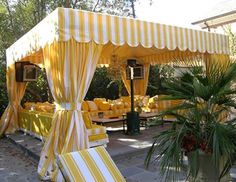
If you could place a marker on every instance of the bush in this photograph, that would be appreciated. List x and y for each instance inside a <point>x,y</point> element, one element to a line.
<point>98,86</point>
<point>3,88</point>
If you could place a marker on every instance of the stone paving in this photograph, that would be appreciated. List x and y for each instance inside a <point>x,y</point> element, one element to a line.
<point>18,160</point>
<point>15,165</point>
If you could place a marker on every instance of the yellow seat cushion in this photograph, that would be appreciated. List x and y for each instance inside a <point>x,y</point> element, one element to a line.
<point>42,107</point>
<point>127,104</point>
<point>103,106</point>
<point>46,108</point>
<point>113,107</point>
<point>97,137</point>
<point>29,105</point>
<point>38,107</point>
<point>153,99</point>
<point>92,106</point>
<point>125,99</point>
<point>120,105</point>
<point>85,106</point>
<point>93,113</point>
<point>153,102</point>
<point>96,130</point>
<point>98,100</point>
<point>152,105</point>
<point>87,120</point>
<point>145,100</point>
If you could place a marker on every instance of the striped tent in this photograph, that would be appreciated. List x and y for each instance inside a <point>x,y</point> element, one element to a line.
<point>69,44</point>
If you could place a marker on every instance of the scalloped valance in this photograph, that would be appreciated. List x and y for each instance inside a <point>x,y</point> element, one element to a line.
<point>64,24</point>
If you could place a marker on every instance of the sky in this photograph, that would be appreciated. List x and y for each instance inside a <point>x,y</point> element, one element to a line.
<point>175,12</point>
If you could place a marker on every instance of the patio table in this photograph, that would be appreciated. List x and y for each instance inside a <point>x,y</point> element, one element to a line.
<point>105,120</point>
<point>145,116</point>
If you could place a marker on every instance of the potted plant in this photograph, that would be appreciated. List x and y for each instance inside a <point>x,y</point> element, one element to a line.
<point>202,131</point>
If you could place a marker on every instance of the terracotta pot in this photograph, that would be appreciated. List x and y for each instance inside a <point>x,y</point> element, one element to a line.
<point>207,171</point>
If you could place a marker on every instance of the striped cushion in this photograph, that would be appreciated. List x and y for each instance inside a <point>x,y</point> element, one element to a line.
<point>96,129</point>
<point>93,138</point>
<point>89,165</point>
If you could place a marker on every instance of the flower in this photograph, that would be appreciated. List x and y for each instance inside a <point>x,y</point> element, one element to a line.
<point>189,143</point>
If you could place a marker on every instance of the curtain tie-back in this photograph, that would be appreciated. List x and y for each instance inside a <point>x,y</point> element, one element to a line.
<point>68,106</point>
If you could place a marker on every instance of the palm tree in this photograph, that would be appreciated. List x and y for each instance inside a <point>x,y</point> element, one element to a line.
<point>202,123</point>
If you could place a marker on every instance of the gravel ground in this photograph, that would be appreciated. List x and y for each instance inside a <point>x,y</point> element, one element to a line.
<point>15,166</point>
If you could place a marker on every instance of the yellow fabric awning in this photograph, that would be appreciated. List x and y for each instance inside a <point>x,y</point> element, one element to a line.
<point>64,24</point>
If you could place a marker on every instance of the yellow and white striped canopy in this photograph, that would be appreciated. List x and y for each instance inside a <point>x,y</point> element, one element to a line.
<point>133,37</point>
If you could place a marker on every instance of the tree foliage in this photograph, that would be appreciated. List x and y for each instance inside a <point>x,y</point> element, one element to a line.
<point>3,88</point>
<point>98,85</point>
<point>38,91</point>
<point>157,75</point>
<point>232,39</point>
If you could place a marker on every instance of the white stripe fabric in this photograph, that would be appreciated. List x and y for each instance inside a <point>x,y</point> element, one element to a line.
<point>90,165</point>
<point>64,24</point>
<point>82,167</point>
<point>102,167</point>
<point>96,129</point>
<point>162,37</point>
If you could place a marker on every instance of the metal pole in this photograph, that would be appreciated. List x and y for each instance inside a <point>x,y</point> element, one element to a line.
<point>133,123</point>
<point>132,94</point>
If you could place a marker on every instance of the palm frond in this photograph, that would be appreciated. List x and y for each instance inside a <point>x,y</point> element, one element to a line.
<point>202,117</point>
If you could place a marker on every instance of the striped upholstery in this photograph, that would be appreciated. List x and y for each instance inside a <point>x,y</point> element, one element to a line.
<point>38,124</point>
<point>89,165</point>
<point>96,130</point>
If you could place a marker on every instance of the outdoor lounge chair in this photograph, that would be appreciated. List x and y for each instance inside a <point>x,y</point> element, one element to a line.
<point>94,164</point>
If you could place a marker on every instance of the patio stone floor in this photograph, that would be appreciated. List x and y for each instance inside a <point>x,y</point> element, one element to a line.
<point>19,155</point>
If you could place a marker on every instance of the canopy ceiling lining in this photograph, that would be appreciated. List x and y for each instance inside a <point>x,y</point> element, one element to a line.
<point>146,55</point>
<point>64,24</point>
<point>218,20</point>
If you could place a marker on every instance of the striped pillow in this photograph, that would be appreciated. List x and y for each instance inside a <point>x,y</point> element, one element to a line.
<point>89,165</point>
